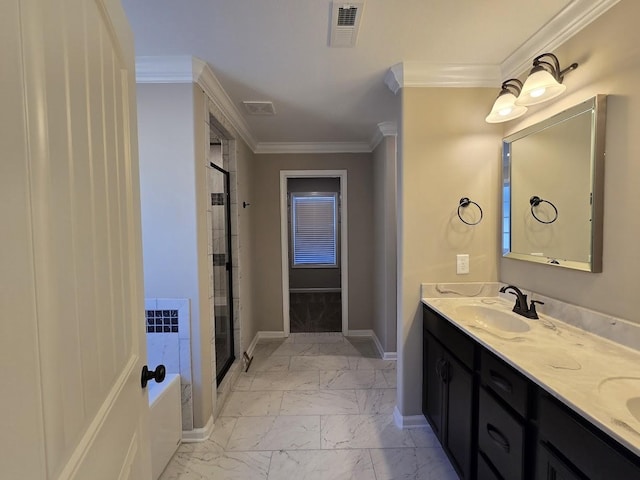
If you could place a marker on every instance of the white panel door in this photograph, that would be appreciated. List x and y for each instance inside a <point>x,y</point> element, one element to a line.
<point>72,330</point>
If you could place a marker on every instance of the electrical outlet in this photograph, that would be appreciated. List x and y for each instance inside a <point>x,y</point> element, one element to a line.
<point>462,263</point>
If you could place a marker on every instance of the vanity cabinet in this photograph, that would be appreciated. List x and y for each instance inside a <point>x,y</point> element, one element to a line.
<point>496,424</point>
<point>575,447</point>
<point>448,391</point>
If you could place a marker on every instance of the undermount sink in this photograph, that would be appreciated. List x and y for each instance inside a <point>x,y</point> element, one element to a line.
<point>492,318</point>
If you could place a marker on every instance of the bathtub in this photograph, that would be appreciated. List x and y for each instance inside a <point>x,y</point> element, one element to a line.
<point>165,421</point>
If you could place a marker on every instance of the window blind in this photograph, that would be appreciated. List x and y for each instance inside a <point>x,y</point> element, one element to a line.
<point>314,230</point>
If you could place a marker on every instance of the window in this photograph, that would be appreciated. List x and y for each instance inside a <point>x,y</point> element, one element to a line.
<point>314,229</point>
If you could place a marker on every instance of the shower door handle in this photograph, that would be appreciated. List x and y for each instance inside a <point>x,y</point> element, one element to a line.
<point>158,375</point>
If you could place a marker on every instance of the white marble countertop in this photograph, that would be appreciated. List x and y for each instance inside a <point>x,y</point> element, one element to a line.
<point>590,374</point>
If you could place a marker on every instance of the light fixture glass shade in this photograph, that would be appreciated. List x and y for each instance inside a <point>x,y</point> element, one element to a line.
<point>539,87</point>
<point>505,109</point>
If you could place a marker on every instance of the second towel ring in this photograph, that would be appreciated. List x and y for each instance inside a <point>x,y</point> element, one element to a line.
<point>464,203</point>
<point>535,201</point>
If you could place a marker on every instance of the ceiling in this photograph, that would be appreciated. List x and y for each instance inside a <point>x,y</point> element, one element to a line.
<point>277,50</point>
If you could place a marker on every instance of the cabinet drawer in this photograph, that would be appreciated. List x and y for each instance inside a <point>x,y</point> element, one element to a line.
<point>500,437</point>
<point>504,381</point>
<point>451,337</point>
<point>592,452</point>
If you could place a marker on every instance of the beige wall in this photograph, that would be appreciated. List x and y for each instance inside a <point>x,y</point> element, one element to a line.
<point>385,245</point>
<point>446,151</point>
<point>608,52</point>
<point>246,261</point>
<point>266,247</point>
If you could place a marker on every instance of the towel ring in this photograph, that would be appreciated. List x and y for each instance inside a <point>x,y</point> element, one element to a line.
<point>535,201</point>
<point>464,203</point>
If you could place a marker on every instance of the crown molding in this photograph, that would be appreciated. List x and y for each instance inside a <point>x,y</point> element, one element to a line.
<point>204,77</point>
<point>423,74</point>
<point>166,69</point>
<point>385,129</point>
<point>188,69</point>
<point>573,18</point>
<point>312,147</point>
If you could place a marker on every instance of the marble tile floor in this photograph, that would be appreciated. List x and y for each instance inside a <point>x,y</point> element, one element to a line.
<point>313,407</point>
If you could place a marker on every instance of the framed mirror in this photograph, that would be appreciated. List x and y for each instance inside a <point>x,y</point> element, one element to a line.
<point>553,189</point>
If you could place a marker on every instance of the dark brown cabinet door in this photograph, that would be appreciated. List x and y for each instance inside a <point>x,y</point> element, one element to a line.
<point>459,386</point>
<point>447,393</point>
<point>432,385</point>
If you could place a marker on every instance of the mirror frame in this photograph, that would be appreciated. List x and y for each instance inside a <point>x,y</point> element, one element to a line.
<point>597,106</point>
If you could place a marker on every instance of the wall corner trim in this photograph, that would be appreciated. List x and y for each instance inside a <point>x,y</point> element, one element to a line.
<point>408,421</point>
<point>198,434</point>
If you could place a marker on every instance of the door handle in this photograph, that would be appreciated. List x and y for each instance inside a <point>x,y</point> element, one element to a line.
<point>158,375</point>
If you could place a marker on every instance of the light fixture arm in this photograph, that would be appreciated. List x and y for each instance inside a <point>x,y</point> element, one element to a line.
<point>513,86</point>
<point>552,68</point>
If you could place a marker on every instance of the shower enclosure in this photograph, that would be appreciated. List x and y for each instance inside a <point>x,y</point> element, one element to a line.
<point>222,269</point>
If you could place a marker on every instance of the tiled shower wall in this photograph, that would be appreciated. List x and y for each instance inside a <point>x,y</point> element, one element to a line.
<point>169,343</point>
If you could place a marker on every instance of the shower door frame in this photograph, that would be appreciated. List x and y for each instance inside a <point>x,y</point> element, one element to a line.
<point>229,268</point>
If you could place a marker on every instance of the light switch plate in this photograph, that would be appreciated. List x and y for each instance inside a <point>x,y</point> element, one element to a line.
<point>462,263</point>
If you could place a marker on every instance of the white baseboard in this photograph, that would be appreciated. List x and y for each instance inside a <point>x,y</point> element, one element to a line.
<point>378,345</point>
<point>390,356</point>
<point>370,333</point>
<point>260,335</point>
<point>253,344</point>
<point>198,434</point>
<point>360,333</point>
<point>278,334</point>
<point>409,421</point>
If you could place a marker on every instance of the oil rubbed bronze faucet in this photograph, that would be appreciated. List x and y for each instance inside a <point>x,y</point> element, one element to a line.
<point>521,307</point>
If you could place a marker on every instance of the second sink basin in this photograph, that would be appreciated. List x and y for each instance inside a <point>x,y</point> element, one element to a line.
<point>493,318</point>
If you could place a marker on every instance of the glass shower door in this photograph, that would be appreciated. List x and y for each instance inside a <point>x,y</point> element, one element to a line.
<point>222,279</point>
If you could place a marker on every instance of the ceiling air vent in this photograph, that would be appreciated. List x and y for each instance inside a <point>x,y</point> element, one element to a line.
<point>259,108</point>
<point>345,23</point>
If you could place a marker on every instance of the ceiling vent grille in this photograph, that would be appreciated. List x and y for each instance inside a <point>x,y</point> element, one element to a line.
<point>347,16</point>
<point>259,108</point>
<point>345,23</point>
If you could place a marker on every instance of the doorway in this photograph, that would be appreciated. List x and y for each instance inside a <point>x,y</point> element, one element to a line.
<point>314,265</point>
<point>314,254</point>
<point>220,221</point>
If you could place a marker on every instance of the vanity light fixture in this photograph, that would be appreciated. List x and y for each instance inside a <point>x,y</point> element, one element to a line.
<point>505,107</point>
<point>544,81</point>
